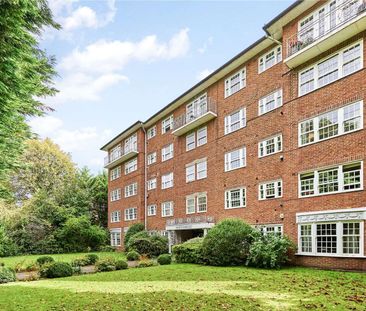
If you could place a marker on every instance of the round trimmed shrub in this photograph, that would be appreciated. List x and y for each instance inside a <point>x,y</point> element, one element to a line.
<point>106,264</point>
<point>270,251</point>
<point>146,263</point>
<point>137,236</point>
<point>6,275</point>
<point>164,259</point>
<point>228,243</point>
<point>121,265</point>
<point>79,262</point>
<point>44,259</point>
<point>56,270</point>
<point>91,258</point>
<point>132,256</point>
<point>135,228</point>
<point>189,252</point>
<point>150,246</point>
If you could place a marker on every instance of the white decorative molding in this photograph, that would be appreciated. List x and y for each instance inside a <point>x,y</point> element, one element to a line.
<point>115,230</point>
<point>333,215</point>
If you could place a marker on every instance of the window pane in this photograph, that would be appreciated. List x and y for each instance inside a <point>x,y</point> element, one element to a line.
<point>326,238</point>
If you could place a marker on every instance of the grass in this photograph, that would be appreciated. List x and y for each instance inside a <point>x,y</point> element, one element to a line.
<point>29,259</point>
<point>192,287</point>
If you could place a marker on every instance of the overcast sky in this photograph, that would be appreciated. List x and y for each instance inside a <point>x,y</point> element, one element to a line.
<point>121,61</point>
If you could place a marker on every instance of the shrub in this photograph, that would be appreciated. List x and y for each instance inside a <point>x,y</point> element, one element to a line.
<point>133,255</point>
<point>150,246</point>
<point>91,258</point>
<point>56,270</point>
<point>44,259</point>
<point>146,263</point>
<point>79,262</point>
<point>137,236</point>
<point>189,252</point>
<point>164,259</point>
<point>135,228</point>
<point>107,248</point>
<point>7,245</point>
<point>270,251</point>
<point>106,264</point>
<point>227,243</point>
<point>121,265</point>
<point>7,275</point>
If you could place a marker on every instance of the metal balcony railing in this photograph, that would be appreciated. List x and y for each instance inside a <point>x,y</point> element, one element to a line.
<point>324,24</point>
<point>117,154</point>
<point>190,220</point>
<point>201,109</point>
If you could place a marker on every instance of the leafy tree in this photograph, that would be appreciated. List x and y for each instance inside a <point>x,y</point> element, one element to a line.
<point>99,193</point>
<point>26,75</point>
<point>45,168</point>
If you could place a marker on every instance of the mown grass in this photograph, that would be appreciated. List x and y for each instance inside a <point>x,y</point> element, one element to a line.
<point>192,287</point>
<point>29,259</point>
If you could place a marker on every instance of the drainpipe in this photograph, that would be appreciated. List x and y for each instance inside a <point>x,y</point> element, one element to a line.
<point>145,178</point>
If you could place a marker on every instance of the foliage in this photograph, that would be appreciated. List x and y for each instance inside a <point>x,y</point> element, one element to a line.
<point>189,251</point>
<point>56,270</point>
<point>145,263</point>
<point>135,228</point>
<point>164,259</point>
<point>26,76</point>
<point>270,251</point>
<point>132,256</point>
<point>44,259</point>
<point>227,243</point>
<point>88,259</point>
<point>91,258</point>
<point>150,246</point>
<point>7,246</point>
<point>78,234</point>
<point>106,264</point>
<point>139,235</point>
<point>6,275</point>
<point>121,265</point>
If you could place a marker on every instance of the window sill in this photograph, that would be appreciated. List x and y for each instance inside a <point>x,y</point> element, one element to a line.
<point>236,207</point>
<point>331,255</point>
<point>269,111</point>
<point>330,193</point>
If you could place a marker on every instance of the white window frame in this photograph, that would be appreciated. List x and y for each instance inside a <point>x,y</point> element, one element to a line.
<point>167,206</point>
<point>201,195</point>
<point>167,181</point>
<point>196,139</point>
<point>339,237</point>
<point>340,116</point>
<point>151,184</point>
<point>242,121</point>
<point>131,190</point>
<point>189,199</point>
<point>339,54</point>
<point>115,173</point>
<point>196,108</point>
<point>151,132</point>
<point>270,228</point>
<point>115,216</point>
<point>275,96</point>
<point>242,198</point>
<point>191,141</point>
<point>196,203</point>
<point>167,124</point>
<point>263,144</point>
<point>196,170</point>
<point>277,50</point>
<point>130,143</point>
<point>115,235</point>
<point>265,186</point>
<point>242,82</point>
<point>130,213</point>
<point>242,159</point>
<point>115,195</point>
<point>167,152</point>
<point>340,180</point>
<point>151,210</point>
<point>151,158</point>
<point>131,166</point>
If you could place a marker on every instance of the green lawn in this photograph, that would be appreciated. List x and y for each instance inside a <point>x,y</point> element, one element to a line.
<point>28,259</point>
<point>192,287</point>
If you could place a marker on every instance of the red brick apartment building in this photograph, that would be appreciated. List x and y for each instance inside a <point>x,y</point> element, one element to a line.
<point>275,136</point>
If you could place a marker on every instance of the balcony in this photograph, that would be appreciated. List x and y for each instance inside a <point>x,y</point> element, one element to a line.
<point>189,223</point>
<point>326,31</point>
<point>201,114</point>
<point>118,156</point>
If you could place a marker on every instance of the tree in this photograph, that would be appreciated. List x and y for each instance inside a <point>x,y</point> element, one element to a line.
<point>99,193</point>
<point>26,75</point>
<point>45,168</point>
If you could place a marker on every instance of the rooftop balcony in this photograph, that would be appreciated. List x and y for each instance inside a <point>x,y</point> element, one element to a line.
<point>205,112</point>
<point>326,30</point>
<point>118,156</point>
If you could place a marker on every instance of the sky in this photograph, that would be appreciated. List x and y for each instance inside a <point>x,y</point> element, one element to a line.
<point>122,61</point>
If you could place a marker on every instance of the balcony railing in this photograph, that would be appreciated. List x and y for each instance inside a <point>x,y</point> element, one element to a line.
<point>325,24</point>
<point>119,155</point>
<point>201,113</point>
<point>190,220</point>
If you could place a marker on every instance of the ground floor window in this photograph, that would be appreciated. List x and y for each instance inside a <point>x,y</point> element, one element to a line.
<point>270,229</point>
<point>332,238</point>
<point>115,238</point>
